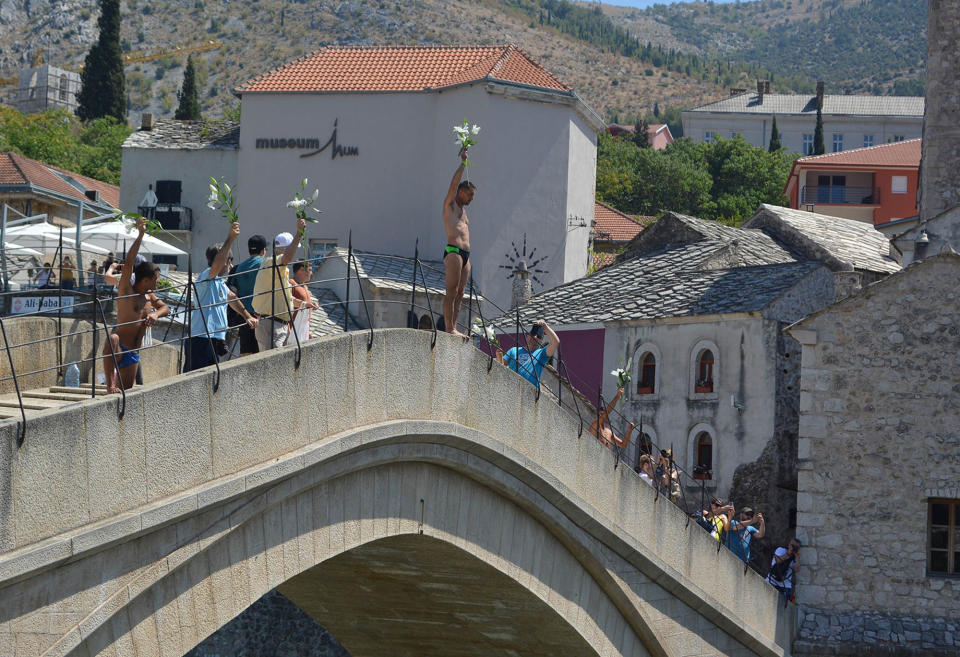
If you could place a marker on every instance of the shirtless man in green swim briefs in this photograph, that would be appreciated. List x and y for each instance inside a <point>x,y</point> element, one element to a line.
<point>137,308</point>
<point>456,255</point>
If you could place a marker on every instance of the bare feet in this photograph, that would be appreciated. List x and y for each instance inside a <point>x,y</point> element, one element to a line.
<point>457,334</point>
<point>113,390</point>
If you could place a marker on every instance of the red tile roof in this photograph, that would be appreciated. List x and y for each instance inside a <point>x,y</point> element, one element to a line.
<point>403,68</point>
<point>611,225</point>
<point>898,154</point>
<point>601,259</point>
<point>19,170</point>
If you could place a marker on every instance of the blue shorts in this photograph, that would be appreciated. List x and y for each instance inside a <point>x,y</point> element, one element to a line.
<point>129,357</point>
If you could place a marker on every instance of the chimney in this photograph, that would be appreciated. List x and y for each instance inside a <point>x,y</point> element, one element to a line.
<point>819,94</point>
<point>522,286</point>
<point>147,122</point>
<point>760,88</point>
<point>766,86</point>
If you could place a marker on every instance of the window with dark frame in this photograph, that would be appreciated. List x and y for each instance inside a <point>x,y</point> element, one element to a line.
<point>704,466</point>
<point>704,382</point>
<point>943,537</point>
<point>648,374</point>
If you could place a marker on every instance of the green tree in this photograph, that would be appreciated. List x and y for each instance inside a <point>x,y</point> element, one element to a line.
<point>775,144</point>
<point>189,107</point>
<point>819,148</point>
<point>102,82</point>
<point>656,109</point>
<point>641,133</point>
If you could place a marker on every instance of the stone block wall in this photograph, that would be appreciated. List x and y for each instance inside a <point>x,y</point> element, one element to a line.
<point>879,436</point>
<point>940,168</point>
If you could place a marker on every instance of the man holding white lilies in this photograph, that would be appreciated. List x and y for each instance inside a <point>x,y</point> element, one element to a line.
<point>272,297</point>
<point>456,255</point>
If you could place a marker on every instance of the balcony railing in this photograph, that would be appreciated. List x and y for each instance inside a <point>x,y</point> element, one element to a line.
<point>172,216</point>
<point>840,194</point>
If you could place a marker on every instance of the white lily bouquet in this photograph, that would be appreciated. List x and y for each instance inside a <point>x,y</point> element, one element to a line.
<point>153,227</point>
<point>301,203</point>
<point>488,333</point>
<point>222,199</point>
<point>623,375</point>
<point>465,138</point>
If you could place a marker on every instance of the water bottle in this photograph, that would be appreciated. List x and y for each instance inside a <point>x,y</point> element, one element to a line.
<point>71,379</point>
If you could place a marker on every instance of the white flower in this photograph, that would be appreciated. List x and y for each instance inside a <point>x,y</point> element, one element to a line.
<point>491,334</point>
<point>617,373</point>
<point>226,188</point>
<point>212,206</point>
<point>475,130</point>
<point>316,193</point>
<point>461,130</point>
<point>303,183</point>
<point>297,203</point>
<point>213,189</point>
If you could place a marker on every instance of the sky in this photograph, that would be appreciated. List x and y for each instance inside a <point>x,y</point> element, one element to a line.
<point>643,4</point>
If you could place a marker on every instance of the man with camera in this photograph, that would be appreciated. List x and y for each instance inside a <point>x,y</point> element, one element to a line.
<point>529,361</point>
<point>783,566</point>
<point>747,526</point>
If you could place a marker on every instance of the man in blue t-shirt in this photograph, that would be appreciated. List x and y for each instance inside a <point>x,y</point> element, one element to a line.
<point>242,281</point>
<point>743,530</point>
<point>208,320</point>
<point>528,362</point>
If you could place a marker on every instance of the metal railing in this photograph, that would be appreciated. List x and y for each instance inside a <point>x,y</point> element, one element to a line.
<point>840,194</point>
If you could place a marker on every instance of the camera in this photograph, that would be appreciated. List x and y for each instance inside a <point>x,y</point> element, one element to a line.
<point>536,331</point>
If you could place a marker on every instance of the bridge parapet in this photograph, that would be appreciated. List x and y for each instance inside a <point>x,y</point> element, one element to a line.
<point>86,480</point>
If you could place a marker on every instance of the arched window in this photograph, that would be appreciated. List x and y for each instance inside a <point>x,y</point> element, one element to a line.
<point>426,323</point>
<point>704,381</point>
<point>648,374</point>
<point>703,469</point>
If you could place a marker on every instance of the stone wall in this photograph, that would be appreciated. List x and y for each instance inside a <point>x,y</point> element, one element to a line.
<point>879,436</point>
<point>940,167</point>
<point>270,627</point>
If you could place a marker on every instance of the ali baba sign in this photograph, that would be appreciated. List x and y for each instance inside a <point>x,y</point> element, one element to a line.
<point>310,144</point>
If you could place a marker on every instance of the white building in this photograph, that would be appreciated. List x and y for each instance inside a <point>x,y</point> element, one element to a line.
<point>372,129</point>
<point>848,121</point>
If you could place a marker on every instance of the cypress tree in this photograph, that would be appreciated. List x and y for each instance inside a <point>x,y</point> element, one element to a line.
<point>189,107</point>
<point>774,137</point>
<point>656,109</point>
<point>819,148</point>
<point>641,134</point>
<point>102,82</point>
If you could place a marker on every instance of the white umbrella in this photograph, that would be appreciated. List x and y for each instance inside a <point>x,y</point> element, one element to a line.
<point>46,237</point>
<point>17,250</point>
<point>115,235</point>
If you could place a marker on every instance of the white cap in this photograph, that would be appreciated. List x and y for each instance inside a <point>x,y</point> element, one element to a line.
<point>283,240</point>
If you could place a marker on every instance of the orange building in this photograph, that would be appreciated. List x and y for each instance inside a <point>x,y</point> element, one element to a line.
<point>874,185</point>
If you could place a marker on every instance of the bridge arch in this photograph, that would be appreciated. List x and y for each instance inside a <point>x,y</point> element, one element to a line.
<point>230,509</point>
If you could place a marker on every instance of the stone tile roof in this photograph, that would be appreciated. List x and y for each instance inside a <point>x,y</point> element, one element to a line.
<point>737,246</point>
<point>841,243</point>
<point>403,68</point>
<point>396,272</point>
<point>611,225</point>
<point>750,103</point>
<point>328,320</point>
<point>187,135</point>
<point>674,282</point>
<point>18,170</point>
<point>904,154</point>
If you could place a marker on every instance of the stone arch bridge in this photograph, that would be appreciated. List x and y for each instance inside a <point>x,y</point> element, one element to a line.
<point>410,500</point>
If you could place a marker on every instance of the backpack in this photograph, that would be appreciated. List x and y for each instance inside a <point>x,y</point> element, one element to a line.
<point>779,570</point>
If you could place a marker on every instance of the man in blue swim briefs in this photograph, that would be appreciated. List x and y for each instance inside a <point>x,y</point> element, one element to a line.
<point>456,255</point>
<point>137,308</point>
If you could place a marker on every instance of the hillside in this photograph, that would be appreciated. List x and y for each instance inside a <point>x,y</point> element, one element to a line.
<point>261,34</point>
<point>867,46</point>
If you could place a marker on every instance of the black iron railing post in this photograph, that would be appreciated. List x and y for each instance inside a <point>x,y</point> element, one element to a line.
<point>286,302</point>
<point>116,365</point>
<point>346,299</point>
<point>363,300</point>
<point>93,368</point>
<point>412,315</point>
<point>188,356</point>
<point>426,293</point>
<point>59,306</point>
<point>22,433</point>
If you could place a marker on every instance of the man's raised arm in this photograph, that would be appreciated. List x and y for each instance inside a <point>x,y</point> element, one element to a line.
<point>290,252</point>
<point>220,261</point>
<point>457,175</point>
<point>130,262</point>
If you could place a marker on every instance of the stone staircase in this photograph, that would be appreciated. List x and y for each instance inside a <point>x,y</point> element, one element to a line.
<point>44,399</point>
